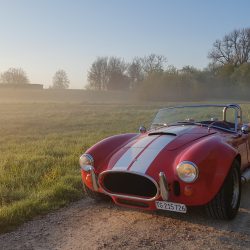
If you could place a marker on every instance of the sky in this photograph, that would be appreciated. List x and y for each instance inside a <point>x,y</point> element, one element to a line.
<point>42,36</point>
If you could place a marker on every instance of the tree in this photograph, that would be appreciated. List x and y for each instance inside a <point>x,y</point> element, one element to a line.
<point>98,74</point>
<point>172,70</point>
<point>188,70</point>
<point>135,72</point>
<point>117,78</point>
<point>241,75</point>
<point>153,63</point>
<point>60,80</point>
<point>108,74</point>
<point>233,49</point>
<point>14,76</point>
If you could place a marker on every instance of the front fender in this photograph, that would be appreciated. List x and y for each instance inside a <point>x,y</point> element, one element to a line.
<point>214,158</point>
<point>103,150</point>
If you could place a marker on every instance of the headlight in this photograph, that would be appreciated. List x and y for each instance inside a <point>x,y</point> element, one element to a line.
<point>85,160</point>
<point>187,171</point>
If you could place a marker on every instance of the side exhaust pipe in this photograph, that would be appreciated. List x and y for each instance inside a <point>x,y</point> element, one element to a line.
<point>245,177</point>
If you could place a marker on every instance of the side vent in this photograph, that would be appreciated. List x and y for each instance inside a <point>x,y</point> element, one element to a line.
<point>177,189</point>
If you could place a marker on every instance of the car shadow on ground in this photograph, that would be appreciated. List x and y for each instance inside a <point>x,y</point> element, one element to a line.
<point>198,216</point>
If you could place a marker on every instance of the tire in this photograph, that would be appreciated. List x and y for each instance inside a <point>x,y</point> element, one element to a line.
<point>95,195</point>
<point>225,204</point>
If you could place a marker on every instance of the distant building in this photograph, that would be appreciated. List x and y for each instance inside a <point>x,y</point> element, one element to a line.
<point>21,86</point>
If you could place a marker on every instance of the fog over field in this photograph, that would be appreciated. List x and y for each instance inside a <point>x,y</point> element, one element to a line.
<point>43,133</point>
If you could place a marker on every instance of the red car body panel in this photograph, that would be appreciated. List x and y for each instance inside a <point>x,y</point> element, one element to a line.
<point>103,150</point>
<point>212,150</point>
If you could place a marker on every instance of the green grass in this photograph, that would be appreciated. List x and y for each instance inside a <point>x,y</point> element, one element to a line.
<point>40,145</point>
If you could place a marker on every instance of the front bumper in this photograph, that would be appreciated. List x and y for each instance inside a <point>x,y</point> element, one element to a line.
<point>168,192</point>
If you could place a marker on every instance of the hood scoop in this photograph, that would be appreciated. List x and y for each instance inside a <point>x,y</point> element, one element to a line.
<point>172,131</point>
<point>162,133</point>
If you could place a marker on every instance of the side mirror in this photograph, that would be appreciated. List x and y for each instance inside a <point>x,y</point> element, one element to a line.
<point>245,129</point>
<point>142,130</point>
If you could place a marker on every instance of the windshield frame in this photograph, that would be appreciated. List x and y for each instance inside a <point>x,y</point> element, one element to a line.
<point>225,107</point>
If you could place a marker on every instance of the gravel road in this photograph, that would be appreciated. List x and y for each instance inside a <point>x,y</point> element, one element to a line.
<point>89,225</point>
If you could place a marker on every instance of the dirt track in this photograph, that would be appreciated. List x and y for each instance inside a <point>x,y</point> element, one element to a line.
<point>88,225</point>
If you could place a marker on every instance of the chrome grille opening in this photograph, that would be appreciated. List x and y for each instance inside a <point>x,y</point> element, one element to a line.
<point>131,184</point>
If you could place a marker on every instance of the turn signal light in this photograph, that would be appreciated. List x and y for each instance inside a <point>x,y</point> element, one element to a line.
<point>86,177</point>
<point>188,190</point>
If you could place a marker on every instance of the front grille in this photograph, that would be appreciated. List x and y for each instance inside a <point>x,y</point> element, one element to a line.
<point>129,184</point>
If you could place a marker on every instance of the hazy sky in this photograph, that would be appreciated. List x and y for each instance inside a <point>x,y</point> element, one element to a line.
<point>42,36</point>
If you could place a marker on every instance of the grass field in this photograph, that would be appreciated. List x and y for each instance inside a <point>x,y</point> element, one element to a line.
<point>40,144</point>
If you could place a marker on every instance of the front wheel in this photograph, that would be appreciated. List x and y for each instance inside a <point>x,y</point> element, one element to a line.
<point>225,204</point>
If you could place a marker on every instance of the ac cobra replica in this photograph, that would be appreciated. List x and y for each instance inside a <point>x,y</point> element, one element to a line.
<point>191,156</point>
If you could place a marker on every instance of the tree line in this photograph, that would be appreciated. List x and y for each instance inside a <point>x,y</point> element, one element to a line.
<point>18,76</point>
<point>227,75</point>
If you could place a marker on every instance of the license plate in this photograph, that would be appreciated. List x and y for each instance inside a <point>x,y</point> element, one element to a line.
<point>171,206</point>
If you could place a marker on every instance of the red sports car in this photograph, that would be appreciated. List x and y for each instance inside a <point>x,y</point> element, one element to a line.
<point>191,156</point>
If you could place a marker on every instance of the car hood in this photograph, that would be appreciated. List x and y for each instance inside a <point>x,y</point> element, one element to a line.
<point>139,153</point>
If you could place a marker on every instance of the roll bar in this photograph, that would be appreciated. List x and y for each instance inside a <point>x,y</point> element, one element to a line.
<point>237,117</point>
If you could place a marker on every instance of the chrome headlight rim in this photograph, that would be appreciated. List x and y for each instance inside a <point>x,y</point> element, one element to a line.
<point>86,160</point>
<point>194,166</point>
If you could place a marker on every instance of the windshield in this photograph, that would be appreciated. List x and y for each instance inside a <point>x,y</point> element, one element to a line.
<point>207,115</point>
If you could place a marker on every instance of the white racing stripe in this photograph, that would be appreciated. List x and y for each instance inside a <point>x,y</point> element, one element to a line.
<point>148,155</point>
<point>129,156</point>
<point>142,143</point>
<point>144,161</point>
